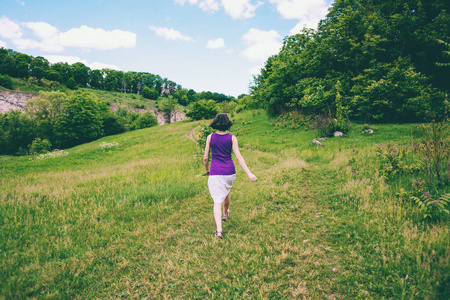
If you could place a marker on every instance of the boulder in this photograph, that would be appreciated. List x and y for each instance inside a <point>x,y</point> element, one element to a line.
<point>368,131</point>
<point>338,133</point>
<point>317,143</point>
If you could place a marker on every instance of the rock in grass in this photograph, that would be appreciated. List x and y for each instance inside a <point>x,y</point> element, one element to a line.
<point>317,143</point>
<point>368,131</point>
<point>338,133</point>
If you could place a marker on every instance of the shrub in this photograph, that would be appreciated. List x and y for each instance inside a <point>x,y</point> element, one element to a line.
<point>113,124</point>
<point>325,125</point>
<point>201,142</point>
<point>6,82</point>
<point>149,93</point>
<point>39,146</point>
<point>203,109</point>
<point>145,120</point>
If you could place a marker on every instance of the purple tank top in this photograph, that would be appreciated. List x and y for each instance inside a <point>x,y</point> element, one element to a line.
<point>221,162</point>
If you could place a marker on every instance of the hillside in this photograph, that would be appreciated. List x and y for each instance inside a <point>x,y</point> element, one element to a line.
<point>128,216</point>
<point>16,100</point>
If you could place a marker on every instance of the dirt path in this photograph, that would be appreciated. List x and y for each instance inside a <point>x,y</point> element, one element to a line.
<point>191,136</point>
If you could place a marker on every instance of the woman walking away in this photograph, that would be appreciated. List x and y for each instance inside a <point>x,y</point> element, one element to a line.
<point>222,172</point>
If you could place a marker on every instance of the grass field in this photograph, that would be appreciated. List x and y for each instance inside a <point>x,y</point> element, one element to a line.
<point>128,216</point>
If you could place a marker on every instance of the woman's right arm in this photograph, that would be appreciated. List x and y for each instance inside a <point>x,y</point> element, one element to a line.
<point>241,160</point>
<point>206,155</point>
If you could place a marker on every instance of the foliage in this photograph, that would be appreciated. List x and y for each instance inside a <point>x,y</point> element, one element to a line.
<point>393,160</point>
<point>144,120</point>
<point>80,121</point>
<point>167,105</point>
<point>113,124</point>
<point>434,149</point>
<point>431,208</point>
<point>446,53</point>
<point>205,131</point>
<point>6,82</point>
<point>293,119</point>
<point>227,107</point>
<point>39,146</point>
<point>368,61</point>
<point>149,93</point>
<point>17,131</point>
<point>325,125</point>
<point>203,109</point>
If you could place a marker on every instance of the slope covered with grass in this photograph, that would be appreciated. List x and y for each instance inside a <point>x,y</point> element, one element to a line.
<point>128,216</point>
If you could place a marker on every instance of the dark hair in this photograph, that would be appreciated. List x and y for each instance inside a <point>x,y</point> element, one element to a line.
<point>221,122</point>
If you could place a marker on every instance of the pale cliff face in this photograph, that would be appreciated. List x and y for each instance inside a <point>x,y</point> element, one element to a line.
<point>14,100</point>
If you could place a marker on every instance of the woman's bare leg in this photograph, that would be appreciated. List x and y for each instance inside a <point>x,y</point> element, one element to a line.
<point>226,203</point>
<point>218,216</point>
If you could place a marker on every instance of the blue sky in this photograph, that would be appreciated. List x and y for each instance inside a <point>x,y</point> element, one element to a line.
<point>206,45</point>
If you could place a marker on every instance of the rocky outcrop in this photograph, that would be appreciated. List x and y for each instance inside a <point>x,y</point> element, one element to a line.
<point>174,116</point>
<point>14,100</point>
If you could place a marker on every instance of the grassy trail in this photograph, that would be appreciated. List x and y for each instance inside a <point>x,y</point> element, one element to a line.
<point>135,221</point>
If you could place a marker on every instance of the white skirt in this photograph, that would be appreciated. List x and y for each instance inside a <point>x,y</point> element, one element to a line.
<point>220,186</point>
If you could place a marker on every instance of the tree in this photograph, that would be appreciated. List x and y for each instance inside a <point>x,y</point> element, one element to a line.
<point>81,74</point>
<point>149,93</point>
<point>45,110</point>
<point>16,132</point>
<point>181,95</point>
<point>145,120</point>
<point>167,105</point>
<point>203,109</point>
<point>379,52</point>
<point>446,53</point>
<point>81,120</point>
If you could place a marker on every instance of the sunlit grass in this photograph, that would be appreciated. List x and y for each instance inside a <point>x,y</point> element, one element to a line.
<point>134,220</point>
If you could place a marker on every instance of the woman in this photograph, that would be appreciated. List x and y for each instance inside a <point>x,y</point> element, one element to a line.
<point>222,172</point>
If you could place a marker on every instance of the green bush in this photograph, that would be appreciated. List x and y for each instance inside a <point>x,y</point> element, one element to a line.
<point>6,82</point>
<point>149,93</point>
<point>39,146</point>
<point>144,120</point>
<point>203,109</point>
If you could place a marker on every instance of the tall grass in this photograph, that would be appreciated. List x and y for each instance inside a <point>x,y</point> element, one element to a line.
<point>135,220</point>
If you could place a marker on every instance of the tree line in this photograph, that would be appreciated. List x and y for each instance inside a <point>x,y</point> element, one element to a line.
<point>374,61</point>
<point>38,70</point>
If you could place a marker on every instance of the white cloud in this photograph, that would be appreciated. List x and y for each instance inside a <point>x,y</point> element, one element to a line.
<point>73,59</point>
<point>97,38</point>
<point>182,2</point>
<point>2,44</point>
<point>308,12</point>
<point>240,9</point>
<point>170,34</point>
<point>52,40</point>
<point>42,29</point>
<point>9,29</point>
<point>236,9</point>
<point>23,44</point>
<point>261,44</point>
<point>20,2</point>
<point>209,5</point>
<point>216,44</point>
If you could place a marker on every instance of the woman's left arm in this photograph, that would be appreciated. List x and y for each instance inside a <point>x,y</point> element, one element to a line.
<point>206,155</point>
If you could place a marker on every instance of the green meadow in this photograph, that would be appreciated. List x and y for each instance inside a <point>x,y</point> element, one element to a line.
<point>129,216</point>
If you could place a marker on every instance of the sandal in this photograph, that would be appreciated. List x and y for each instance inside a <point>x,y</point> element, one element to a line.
<point>219,234</point>
<point>225,217</point>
